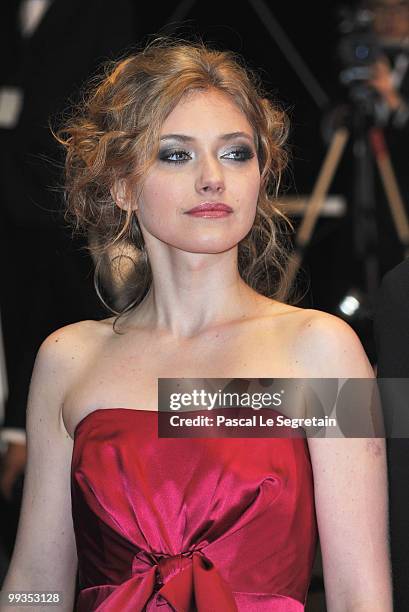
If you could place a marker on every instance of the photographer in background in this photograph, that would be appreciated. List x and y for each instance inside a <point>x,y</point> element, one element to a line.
<point>390,80</point>
<point>390,72</point>
<point>373,53</point>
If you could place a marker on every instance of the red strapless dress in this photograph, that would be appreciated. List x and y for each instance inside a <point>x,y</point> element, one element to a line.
<point>200,524</point>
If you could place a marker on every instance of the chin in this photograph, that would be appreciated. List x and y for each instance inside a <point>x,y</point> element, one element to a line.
<point>218,240</point>
<point>202,244</point>
<point>207,249</point>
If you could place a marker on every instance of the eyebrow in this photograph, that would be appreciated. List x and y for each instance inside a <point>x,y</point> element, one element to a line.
<point>185,138</point>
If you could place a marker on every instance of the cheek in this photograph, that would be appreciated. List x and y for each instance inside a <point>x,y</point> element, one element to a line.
<point>254,188</point>
<point>159,197</point>
<point>247,193</point>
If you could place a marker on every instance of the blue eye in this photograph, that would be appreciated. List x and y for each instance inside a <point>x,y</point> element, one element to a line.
<point>180,156</point>
<point>241,154</point>
<point>167,155</point>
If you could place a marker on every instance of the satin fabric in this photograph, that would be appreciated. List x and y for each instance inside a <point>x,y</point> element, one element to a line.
<point>199,524</point>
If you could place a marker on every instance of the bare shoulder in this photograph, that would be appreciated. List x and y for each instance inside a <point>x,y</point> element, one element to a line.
<point>328,346</point>
<point>66,350</point>
<point>75,337</point>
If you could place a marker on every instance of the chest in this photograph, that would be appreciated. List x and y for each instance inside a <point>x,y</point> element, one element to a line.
<point>125,372</point>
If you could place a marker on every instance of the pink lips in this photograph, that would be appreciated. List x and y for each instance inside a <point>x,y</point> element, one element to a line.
<point>210,209</point>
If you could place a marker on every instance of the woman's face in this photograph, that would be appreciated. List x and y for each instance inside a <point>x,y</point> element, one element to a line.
<point>207,155</point>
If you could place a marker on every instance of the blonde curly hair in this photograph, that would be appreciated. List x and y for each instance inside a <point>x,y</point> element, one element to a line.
<point>114,133</point>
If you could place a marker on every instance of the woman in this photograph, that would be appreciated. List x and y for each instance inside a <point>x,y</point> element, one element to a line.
<point>184,524</point>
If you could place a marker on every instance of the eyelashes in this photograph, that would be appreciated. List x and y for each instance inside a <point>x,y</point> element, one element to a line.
<point>180,156</point>
<point>167,154</point>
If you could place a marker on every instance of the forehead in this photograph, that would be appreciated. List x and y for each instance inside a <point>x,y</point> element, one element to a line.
<point>206,112</point>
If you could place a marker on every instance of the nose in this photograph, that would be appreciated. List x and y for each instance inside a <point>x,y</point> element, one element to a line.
<point>210,178</point>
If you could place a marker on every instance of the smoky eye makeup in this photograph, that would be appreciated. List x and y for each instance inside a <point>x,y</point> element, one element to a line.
<point>240,153</point>
<point>178,155</point>
<point>174,155</point>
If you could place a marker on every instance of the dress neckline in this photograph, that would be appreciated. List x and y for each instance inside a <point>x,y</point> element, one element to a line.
<point>81,421</point>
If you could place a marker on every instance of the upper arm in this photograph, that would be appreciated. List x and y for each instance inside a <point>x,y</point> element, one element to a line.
<point>44,556</point>
<point>350,483</point>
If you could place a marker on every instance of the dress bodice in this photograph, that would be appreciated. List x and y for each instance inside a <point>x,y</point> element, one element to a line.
<point>213,525</point>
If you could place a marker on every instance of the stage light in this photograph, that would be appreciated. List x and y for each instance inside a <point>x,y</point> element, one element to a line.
<point>352,305</point>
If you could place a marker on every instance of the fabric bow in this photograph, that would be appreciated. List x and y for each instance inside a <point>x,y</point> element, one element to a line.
<point>188,582</point>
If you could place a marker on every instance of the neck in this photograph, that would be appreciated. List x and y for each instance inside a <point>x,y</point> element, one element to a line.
<point>194,292</point>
